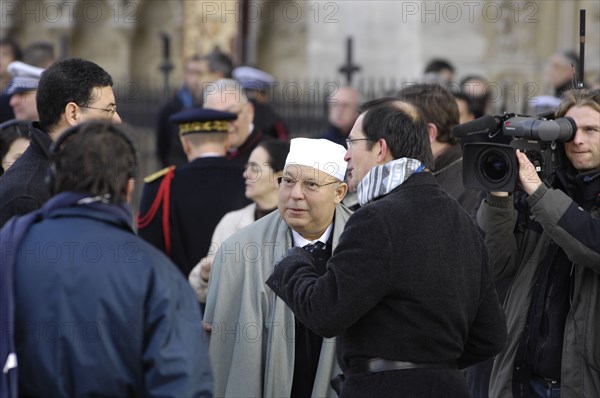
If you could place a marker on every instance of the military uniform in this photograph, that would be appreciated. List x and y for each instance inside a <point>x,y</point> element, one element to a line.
<point>180,207</point>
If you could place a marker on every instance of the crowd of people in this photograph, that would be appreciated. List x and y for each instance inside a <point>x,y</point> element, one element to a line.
<point>351,263</point>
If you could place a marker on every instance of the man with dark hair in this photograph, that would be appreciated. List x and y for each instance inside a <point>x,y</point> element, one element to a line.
<point>440,71</point>
<point>547,238</point>
<point>219,62</point>
<point>70,92</point>
<point>408,291</point>
<point>199,71</point>
<point>102,313</point>
<point>477,89</point>
<point>40,54</point>
<point>439,110</point>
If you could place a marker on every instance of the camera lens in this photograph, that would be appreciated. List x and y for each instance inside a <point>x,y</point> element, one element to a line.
<point>494,166</point>
<point>490,167</point>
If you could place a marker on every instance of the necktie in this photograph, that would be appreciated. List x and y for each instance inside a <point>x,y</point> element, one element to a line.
<point>317,246</point>
<point>318,251</point>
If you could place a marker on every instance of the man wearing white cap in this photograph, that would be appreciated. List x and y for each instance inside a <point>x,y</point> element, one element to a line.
<point>408,292</point>
<point>256,346</point>
<point>23,89</point>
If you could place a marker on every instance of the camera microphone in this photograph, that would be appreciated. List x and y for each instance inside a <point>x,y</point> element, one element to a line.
<point>483,124</point>
<point>561,129</point>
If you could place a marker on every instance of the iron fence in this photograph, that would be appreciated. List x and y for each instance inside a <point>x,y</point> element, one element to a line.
<point>302,104</point>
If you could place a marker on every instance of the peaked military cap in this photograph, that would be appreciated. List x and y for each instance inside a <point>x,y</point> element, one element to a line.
<point>253,79</point>
<point>25,77</point>
<point>200,120</point>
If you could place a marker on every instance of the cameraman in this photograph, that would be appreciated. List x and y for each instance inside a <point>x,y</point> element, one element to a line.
<point>548,239</point>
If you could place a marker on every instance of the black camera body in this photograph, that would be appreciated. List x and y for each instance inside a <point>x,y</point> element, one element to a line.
<point>489,144</point>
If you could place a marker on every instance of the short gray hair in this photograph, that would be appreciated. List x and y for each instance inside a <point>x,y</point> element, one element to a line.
<point>225,87</point>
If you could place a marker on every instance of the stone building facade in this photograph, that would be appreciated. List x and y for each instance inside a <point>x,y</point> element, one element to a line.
<point>303,42</point>
<point>297,39</point>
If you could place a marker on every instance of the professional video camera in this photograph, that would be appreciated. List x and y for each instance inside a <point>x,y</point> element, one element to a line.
<point>489,144</point>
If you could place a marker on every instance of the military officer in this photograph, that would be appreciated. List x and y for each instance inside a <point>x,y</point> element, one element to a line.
<point>180,207</point>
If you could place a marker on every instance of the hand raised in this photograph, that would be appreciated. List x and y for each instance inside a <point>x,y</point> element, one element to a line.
<point>530,181</point>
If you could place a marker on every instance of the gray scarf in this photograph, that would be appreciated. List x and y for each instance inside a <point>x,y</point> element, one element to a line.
<point>383,179</point>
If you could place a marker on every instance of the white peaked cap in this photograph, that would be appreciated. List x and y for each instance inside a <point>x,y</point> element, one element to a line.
<point>252,78</point>
<point>25,77</point>
<point>320,154</point>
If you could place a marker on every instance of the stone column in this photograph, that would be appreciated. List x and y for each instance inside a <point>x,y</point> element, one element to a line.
<point>207,24</point>
<point>102,33</point>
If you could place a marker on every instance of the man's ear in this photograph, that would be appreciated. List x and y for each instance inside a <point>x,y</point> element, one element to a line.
<point>71,114</point>
<point>340,192</point>
<point>433,132</point>
<point>385,154</point>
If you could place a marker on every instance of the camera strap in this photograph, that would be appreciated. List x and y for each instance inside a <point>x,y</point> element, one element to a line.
<point>435,173</point>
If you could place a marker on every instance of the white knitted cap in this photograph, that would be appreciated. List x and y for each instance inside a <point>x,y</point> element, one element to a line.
<point>320,154</point>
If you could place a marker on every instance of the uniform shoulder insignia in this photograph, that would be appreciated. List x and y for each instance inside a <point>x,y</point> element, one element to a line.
<point>158,174</point>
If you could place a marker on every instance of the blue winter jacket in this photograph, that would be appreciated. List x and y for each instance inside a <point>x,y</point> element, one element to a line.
<point>100,312</point>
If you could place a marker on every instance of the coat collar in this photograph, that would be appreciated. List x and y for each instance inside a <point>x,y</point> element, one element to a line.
<point>40,141</point>
<point>76,204</point>
<point>584,188</point>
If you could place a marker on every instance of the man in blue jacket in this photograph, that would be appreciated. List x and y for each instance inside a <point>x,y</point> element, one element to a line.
<point>96,310</point>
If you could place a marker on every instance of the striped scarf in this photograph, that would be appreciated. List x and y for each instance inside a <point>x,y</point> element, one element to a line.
<point>383,179</point>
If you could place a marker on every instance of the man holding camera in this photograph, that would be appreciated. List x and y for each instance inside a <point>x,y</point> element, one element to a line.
<point>547,238</point>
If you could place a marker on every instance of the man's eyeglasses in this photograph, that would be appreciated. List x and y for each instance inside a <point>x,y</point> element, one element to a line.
<point>289,183</point>
<point>349,141</point>
<point>111,111</point>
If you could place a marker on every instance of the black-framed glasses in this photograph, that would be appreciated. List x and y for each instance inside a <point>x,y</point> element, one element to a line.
<point>349,141</point>
<point>288,183</point>
<point>110,111</point>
